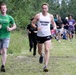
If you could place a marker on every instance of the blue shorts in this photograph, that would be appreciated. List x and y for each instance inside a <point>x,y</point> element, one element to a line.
<point>4,43</point>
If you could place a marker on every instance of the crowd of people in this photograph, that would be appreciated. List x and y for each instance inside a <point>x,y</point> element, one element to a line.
<point>42,28</point>
<point>66,28</point>
<point>49,27</point>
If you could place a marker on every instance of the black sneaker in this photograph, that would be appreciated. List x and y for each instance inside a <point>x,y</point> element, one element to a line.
<point>41,59</point>
<point>45,69</point>
<point>2,68</point>
<point>34,55</point>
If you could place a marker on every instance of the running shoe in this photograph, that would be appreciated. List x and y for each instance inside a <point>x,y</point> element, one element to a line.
<point>2,68</point>
<point>45,69</point>
<point>41,59</point>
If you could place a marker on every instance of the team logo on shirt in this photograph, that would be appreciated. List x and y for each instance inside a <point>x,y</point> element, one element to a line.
<point>44,23</point>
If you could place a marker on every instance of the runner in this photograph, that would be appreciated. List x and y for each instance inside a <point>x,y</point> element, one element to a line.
<point>43,20</point>
<point>32,35</point>
<point>5,28</point>
<point>71,24</point>
<point>59,24</point>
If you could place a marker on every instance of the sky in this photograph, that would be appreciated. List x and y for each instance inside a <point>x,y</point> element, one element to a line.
<point>60,1</point>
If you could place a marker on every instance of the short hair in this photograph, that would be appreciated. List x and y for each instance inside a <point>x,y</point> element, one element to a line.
<point>45,4</point>
<point>2,5</point>
<point>70,15</point>
<point>31,19</point>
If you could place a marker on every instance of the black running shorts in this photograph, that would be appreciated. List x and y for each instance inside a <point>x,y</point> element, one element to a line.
<point>43,39</point>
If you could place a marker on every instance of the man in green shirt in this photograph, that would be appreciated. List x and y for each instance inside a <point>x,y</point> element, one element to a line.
<point>7,24</point>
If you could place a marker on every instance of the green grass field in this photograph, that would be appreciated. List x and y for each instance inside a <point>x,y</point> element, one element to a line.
<point>21,62</point>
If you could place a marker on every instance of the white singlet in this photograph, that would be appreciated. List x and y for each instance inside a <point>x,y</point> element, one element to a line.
<point>44,22</point>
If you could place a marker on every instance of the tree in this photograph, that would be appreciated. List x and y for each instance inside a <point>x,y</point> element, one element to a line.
<point>72,8</point>
<point>63,8</point>
<point>23,10</point>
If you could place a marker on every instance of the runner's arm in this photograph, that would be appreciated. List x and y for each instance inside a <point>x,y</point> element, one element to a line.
<point>53,22</point>
<point>34,21</point>
<point>11,28</point>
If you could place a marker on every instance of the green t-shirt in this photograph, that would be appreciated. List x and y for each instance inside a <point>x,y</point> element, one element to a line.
<point>5,21</point>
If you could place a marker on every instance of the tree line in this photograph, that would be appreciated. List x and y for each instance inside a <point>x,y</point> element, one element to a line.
<point>23,10</point>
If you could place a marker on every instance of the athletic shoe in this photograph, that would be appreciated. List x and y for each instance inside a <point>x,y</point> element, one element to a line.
<point>45,69</point>
<point>34,55</point>
<point>2,68</point>
<point>41,59</point>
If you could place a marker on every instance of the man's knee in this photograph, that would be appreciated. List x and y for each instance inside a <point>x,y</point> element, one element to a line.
<point>4,50</point>
<point>46,50</point>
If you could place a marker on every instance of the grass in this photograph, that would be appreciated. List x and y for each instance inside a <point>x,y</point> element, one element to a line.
<point>21,62</point>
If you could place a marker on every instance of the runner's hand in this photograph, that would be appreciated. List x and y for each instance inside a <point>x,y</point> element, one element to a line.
<point>9,29</point>
<point>39,28</point>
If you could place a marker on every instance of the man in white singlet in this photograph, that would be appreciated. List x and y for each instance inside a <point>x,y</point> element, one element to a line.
<point>43,20</point>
